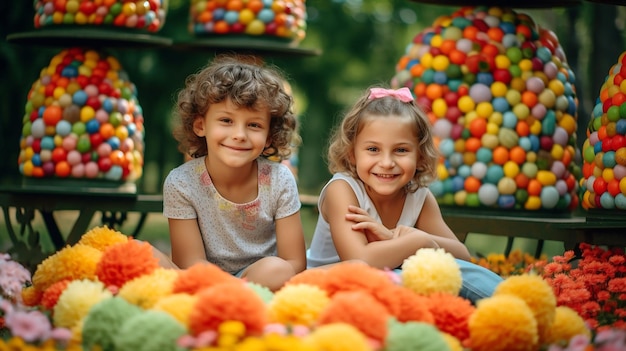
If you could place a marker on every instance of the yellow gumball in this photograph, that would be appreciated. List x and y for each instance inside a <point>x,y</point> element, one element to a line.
<point>441,63</point>
<point>533,203</point>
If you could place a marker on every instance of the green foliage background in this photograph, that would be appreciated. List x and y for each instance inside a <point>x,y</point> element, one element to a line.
<point>360,41</point>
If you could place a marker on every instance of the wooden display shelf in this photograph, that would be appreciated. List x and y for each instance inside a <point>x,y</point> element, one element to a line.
<point>73,36</point>
<point>244,44</point>
<point>528,4</point>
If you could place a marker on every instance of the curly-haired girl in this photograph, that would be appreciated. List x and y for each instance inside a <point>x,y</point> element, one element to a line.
<point>230,205</point>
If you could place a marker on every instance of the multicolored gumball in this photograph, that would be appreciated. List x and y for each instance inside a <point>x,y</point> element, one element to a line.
<point>284,19</point>
<point>503,107</point>
<point>145,14</point>
<point>82,120</point>
<point>603,182</point>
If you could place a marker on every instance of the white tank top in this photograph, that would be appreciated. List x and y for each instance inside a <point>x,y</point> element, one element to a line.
<point>322,250</point>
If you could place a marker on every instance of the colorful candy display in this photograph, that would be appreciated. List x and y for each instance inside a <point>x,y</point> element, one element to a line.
<point>134,14</point>
<point>503,106</point>
<point>82,120</point>
<point>603,182</point>
<point>285,19</point>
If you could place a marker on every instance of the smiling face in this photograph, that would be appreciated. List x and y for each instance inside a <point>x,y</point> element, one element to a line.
<point>385,154</point>
<point>235,136</point>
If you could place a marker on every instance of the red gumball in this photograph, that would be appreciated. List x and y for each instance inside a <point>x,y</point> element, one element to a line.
<point>36,145</point>
<point>96,139</point>
<point>237,28</point>
<point>87,7</point>
<point>613,187</point>
<point>599,186</point>
<point>451,98</point>
<point>619,141</point>
<point>85,158</point>
<point>82,80</point>
<point>94,102</point>
<point>606,104</point>
<point>546,142</point>
<point>537,64</point>
<point>502,75</point>
<point>59,154</point>
<point>607,144</point>
<point>104,164</point>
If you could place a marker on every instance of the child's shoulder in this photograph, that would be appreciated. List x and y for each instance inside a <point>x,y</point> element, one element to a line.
<point>193,166</point>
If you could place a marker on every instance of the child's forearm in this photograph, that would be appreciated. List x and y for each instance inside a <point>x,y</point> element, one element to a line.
<point>392,253</point>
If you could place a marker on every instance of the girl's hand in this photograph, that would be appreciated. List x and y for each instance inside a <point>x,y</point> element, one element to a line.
<point>373,230</point>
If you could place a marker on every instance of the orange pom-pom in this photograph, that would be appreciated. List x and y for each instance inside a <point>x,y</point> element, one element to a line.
<point>51,295</point>
<point>31,296</point>
<point>405,304</point>
<point>230,301</point>
<point>126,261</point>
<point>199,276</point>
<point>315,277</point>
<point>451,313</point>
<point>359,309</point>
<point>349,276</point>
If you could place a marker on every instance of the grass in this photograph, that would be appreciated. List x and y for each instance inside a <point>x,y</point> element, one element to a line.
<point>155,231</point>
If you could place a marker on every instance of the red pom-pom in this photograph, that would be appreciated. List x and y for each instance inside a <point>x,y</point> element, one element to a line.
<point>199,276</point>
<point>234,301</point>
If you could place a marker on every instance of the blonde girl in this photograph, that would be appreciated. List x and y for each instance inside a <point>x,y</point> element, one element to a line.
<point>377,207</point>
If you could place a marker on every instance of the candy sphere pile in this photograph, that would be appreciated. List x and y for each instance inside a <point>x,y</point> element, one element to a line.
<point>283,19</point>
<point>82,120</point>
<point>603,181</point>
<point>503,107</point>
<point>145,14</point>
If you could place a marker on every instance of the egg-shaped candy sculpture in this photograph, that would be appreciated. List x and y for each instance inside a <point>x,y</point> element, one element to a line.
<point>144,15</point>
<point>284,20</point>
<point>603,181</point>
<point>82,120</point>
<point>502,103</point>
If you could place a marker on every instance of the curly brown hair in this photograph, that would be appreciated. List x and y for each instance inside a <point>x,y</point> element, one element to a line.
<point>344,135</point>
<point>248,84</point>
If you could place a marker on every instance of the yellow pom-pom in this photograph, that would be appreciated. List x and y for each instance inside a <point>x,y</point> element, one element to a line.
<point>337,337</point>
<point>432,270</point>
<point>567,324</point>
<point>76,301</point>
<point>144,291</point>
<point>72,262</point>
<point>298,304</point>
<point>453,343</point>
<point>503,323</point>
<point>178,306</point>
<point>102,237</point>
<point>537,294</point>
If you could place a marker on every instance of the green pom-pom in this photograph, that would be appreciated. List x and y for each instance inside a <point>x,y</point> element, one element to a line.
<point>102,324</point>
<point>264,293</point>
<point>149,331</point>
<point>414,336</point>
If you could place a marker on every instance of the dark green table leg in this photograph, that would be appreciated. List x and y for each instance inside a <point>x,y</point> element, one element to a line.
<point>80,226</point>
<point>53,230</point>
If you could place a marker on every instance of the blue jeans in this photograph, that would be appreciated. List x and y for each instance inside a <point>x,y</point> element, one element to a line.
<point>478,281</point>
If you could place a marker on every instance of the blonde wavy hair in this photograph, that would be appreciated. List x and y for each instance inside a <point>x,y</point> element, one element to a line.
<point>342,139</point>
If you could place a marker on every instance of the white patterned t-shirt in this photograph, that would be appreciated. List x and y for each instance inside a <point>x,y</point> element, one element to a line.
<point>234,235</point>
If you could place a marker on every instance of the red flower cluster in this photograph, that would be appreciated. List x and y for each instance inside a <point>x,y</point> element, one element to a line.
<point>594,285</point>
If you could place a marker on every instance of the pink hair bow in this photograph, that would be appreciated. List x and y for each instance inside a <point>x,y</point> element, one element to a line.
<point>402,94</point>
